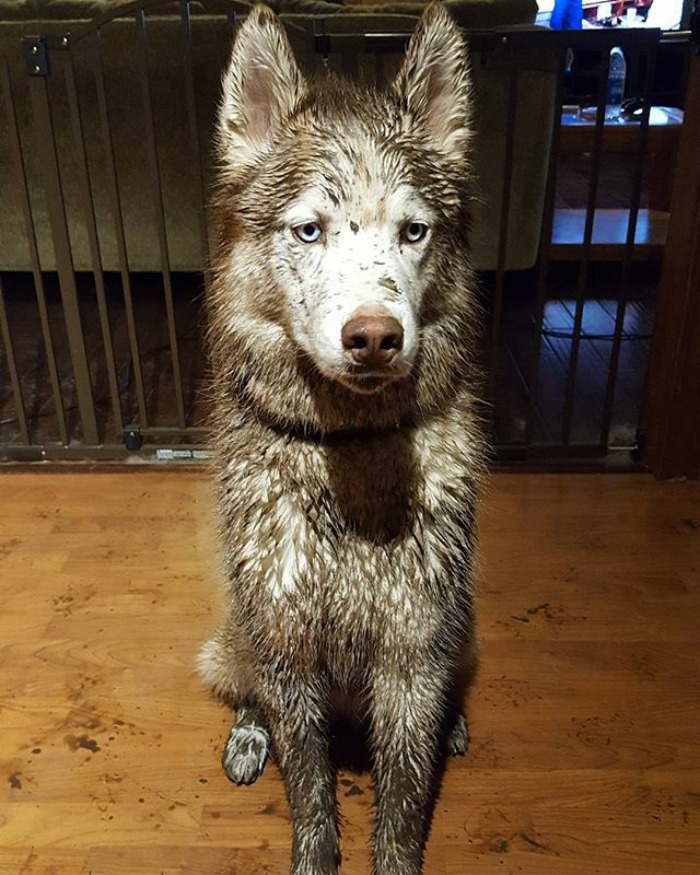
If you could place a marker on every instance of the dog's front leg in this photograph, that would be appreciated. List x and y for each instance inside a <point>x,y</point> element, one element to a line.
<point>406,713</point>
<point>298,714</point>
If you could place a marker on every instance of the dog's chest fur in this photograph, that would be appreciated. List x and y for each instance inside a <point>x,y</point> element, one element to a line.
<point>345,547</point>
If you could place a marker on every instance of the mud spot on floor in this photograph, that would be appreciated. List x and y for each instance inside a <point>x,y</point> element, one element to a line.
<point>113,778</point>
<point>534,842</point>
<point>76,691</point>
<point>15,781</point>
<point>82,742</point>
<point>63,604</point>
<point>6,547</point>
<point>544,609</point>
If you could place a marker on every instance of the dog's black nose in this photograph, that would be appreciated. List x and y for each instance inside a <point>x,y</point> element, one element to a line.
<point>372,337</point>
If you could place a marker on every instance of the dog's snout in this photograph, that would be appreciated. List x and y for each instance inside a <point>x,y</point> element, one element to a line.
<point>372,337</point>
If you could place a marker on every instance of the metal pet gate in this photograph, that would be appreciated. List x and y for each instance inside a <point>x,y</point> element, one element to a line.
<point>100,355</point>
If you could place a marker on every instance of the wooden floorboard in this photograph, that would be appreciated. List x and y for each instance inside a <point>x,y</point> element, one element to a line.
<point>585,757</point>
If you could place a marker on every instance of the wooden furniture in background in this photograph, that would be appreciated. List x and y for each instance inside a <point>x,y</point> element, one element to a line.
<point>672,409</point>
<point>609,234</point>
<point>610,225</point>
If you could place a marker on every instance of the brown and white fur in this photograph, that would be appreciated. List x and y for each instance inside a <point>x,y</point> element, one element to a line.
<point>342,327</point>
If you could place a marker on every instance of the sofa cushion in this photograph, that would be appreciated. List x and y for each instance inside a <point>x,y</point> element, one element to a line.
<point>469,13</point>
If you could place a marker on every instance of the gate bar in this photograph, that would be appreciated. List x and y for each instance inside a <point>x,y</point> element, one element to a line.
<point>586,253</point>
<point>46,147</point>
<point>503,234</point>
<point>12,367</point>
<point>174,431</point>
<point>91,227</point>
<point>194,136</point>
<point>232,23</point>
<point>197,158</point>
<point>116,209</point>
<point>30,231</point>
<point>152,147</point>
<point>545,243</point>
<point>629,248</point>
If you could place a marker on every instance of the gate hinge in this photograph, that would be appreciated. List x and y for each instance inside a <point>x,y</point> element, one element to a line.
<point>36,56</point>
<point>35,52</point>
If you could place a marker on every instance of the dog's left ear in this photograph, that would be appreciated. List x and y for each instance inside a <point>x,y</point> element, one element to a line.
<point>261,88</point>
<point>432,86</point>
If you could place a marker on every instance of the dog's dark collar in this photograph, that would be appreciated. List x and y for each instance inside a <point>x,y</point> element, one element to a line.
<point>305,431</point>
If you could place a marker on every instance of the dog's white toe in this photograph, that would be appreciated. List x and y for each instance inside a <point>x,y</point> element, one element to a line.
<point>245,753</point>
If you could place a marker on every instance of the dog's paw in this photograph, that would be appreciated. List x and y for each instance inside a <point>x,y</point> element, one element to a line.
<point>245,753</point>
<point>458,738</point>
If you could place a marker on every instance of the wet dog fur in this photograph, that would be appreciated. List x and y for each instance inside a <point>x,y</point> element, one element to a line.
<point>347,482</point>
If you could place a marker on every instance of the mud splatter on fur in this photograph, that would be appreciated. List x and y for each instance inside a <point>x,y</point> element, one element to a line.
<point>346,507</point>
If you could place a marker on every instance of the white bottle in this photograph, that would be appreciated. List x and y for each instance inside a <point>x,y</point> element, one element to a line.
<point>616,84</point>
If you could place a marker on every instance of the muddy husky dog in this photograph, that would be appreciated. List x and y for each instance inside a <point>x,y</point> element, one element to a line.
<point>342,324</point>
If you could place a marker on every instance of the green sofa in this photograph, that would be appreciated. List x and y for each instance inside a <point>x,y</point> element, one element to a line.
<point>180,179</point>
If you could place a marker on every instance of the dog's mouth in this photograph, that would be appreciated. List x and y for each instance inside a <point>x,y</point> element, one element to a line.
<point>361,379</point>
<point>366,382</point>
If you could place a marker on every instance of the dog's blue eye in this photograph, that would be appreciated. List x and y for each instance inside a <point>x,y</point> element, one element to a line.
<point>309,232</point>
<point>414,232</point>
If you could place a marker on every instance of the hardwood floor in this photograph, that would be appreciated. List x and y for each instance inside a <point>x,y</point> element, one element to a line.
<point>585,756</point>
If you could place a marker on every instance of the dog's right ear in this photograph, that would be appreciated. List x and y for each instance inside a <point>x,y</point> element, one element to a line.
<point>261,87</point>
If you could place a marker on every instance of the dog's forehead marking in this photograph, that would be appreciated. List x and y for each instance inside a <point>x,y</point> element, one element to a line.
<point>358,177</point>
<point>361,207</point>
